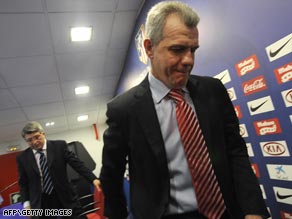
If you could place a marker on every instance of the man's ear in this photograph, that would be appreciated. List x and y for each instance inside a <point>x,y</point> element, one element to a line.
<point>148,48</point>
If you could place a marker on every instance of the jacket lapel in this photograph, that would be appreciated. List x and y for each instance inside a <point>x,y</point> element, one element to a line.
<point>200,98</point>
<point>31,159</point>
<point>145,111</point>
<point>50,153</point>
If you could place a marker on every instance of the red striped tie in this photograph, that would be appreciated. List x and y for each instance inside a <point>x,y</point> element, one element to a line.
<point>209,197</point>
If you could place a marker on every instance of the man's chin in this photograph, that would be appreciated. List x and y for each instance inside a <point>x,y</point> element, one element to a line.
<point>180,82</point>
<point>37,147</point>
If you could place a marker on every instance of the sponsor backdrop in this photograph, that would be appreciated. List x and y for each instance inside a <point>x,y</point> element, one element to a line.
<point>248,46</point>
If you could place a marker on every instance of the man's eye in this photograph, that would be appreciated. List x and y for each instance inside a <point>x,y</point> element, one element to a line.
<point>178,48</point>
<point>193,49</point>
<point>181,49</point>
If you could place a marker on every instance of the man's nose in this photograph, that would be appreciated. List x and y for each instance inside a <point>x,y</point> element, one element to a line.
<point>188,58</point>
<point>33,140</point>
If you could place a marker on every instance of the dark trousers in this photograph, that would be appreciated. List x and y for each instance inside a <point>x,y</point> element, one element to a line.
<point>192,215</point>
<point>52,201</point>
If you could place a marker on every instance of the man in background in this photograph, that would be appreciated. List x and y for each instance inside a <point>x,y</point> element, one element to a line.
<point>180,133</point>
<point>42,170</point>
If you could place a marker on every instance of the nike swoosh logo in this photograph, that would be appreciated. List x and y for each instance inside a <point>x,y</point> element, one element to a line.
<point>283,196</point>
<point>274,53</point>
<point>253,109</point>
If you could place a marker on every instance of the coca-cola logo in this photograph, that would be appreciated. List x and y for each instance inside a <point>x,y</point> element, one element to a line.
<point>255,85</point>
<point>274,148</point>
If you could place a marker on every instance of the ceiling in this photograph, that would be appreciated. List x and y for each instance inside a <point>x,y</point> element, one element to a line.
<point>40,66</point>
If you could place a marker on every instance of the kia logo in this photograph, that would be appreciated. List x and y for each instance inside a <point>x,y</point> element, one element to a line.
<point>274,148</point>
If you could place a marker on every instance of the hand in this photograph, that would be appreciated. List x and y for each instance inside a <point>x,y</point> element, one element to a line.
<point>250,216</point>
<point>97,185</point>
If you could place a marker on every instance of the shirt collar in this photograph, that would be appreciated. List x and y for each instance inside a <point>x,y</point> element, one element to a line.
<point>158,89</point>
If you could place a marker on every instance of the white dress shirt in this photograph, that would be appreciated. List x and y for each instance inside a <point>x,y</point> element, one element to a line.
<point>37,158</point>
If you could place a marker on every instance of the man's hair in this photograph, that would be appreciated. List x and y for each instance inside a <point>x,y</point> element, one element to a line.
<point>31,127</point>
<point>157,15</point>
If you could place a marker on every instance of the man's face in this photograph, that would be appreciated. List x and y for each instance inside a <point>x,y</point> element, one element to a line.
<point>173,58</point>
<point>35,140</point>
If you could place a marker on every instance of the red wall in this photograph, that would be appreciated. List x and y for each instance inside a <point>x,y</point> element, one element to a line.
<point>8,176</point>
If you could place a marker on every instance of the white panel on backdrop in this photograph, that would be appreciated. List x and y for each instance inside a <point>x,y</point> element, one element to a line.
<point>243,130</point>
<point>261,105</point>
<point>287,97</point>
<point>269,212</point>
<point>249,150</point>
<point>223,76</point>
<point>280,48</point>
<point>263,191</point>
<point>280,171</point>
<point>274,149</point>
<point>231,93</point>
<point>283,195</point>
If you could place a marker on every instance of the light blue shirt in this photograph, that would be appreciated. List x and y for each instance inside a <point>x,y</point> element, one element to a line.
<point>182,194</point>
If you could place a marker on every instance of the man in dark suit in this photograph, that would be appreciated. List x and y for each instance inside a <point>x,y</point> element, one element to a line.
<point>32,180</point>
<point>143,130</point>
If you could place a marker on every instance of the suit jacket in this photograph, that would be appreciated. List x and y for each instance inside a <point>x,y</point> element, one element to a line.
<point>134,132</point>
<point>58,156</point>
